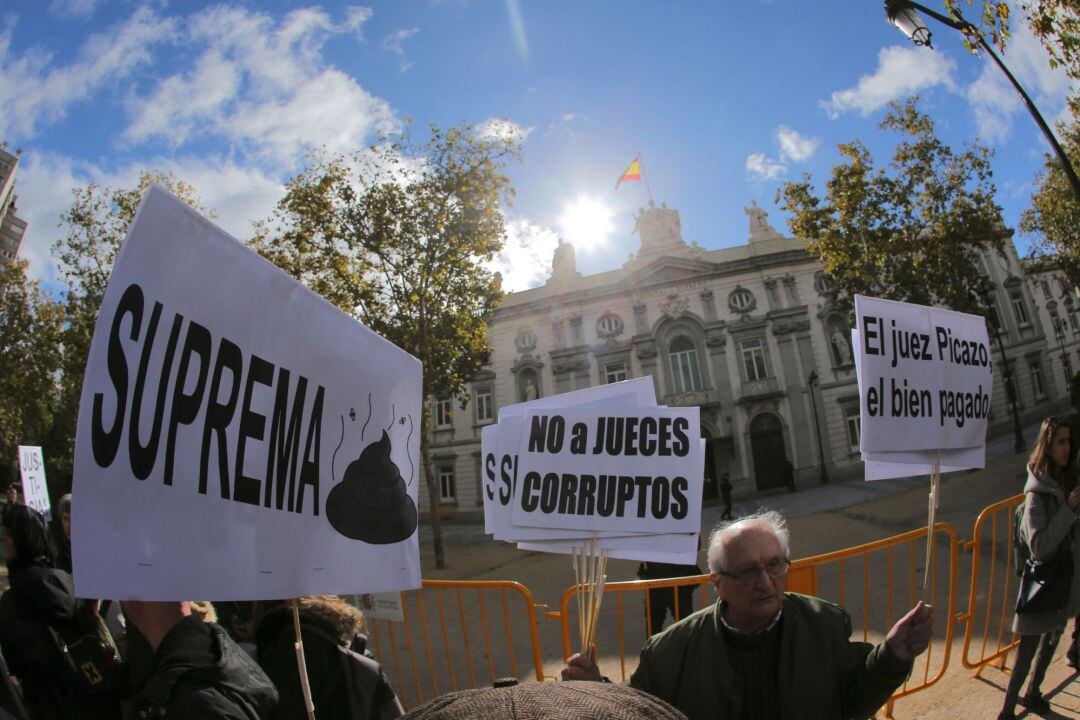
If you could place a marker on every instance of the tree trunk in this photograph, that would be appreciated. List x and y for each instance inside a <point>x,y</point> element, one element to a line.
<point>433,490</point>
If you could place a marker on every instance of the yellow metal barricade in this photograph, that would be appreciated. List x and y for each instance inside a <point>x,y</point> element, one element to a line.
<point>992,595</point>
<point>457,635</point>
<point>877,583</point>
<point>624,615</point>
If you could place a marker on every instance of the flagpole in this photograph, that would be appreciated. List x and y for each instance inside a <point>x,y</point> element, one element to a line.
<point>644,179</point>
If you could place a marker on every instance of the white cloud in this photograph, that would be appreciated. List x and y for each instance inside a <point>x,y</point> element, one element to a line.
<point>37,93</point>
<point>994,100</point>
<point>262,84</point>
<point>793,146</point>
<point>901,71</point>
<point>505,129</point>
<point>760,168</point>
<point>239,195</point>
<point>72,9</point>
<point>525,261</point>
<point>395,43</point>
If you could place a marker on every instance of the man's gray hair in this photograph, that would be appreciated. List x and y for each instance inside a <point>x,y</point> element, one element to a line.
<point>771,519</point>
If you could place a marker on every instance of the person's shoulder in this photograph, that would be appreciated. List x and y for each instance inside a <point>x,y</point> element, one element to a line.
<point>692,625</point>
<point>815,607</point>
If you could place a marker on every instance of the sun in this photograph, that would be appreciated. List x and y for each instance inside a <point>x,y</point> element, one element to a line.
<point>586,223</point>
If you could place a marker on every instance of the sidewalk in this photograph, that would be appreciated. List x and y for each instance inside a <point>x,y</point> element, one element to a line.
<point>823,498</point>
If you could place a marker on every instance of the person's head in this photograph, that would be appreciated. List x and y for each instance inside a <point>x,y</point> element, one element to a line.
<point>26,537</point>
<point>1053,448</point>
<point>13,493</point>
<point>748,562</point>
<point>64,506</point>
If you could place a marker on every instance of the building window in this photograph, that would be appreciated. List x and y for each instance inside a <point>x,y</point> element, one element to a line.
<point>447,487</point>
<point>1045,289</point>
<point>1019,310</point>
<point>854,428</point>
<point>485,411</point>
<point>1074,320</point>
<point>444,413</point>
<point>753,357</point>
<point>614,372</point>
<point>685,373</point>
<point>1036,381</point>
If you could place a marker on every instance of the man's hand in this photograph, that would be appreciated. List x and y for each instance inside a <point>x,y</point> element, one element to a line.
<point>1074,499</point>
<point>582,667</point>
<point>910,636</point>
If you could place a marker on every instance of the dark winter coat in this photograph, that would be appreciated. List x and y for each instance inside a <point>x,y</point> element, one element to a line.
<point>199,672</point>
<point>821,674</point>
<point>39,605</point>
<point>338,693</point>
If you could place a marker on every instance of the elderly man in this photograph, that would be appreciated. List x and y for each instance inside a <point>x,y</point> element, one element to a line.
<point>762,653</point>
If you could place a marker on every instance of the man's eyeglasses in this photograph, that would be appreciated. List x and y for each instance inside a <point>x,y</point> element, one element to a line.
<point>776,568</point>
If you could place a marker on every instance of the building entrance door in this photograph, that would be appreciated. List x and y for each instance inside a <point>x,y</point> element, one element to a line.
<point>767,448</point>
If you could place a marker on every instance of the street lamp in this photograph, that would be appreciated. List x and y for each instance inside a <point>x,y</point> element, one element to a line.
<point>1010,392</point>
<point>811,381</point>
<point>904,14</point>
<point>1059,332</point>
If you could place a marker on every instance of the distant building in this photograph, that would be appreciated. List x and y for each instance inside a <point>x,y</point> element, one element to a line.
<point>12,227</point>
<point>750,334</point>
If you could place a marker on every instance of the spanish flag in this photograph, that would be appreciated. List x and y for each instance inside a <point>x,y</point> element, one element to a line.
<point>632,173</point>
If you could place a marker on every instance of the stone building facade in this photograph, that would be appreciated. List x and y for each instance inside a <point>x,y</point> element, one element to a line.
<point>750,334</point>
<point>12,227</point>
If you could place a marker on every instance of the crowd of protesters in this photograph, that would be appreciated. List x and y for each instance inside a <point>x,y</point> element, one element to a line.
<point>758,652</point>
<point>59,660</point>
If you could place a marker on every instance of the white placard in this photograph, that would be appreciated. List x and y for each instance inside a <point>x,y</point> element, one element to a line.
<point>381,606</point>
<point>238,437</point>
<point>500,466</point>
<point>32,470</point>
<point>925,376</point>
<point>676,548</point>
<point>628,470</point>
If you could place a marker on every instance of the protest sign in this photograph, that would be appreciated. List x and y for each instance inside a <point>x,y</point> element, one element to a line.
<point>238,436</point>
<point>627,470</point>
<point>500,444</point>
<point>382,606</point>
<point>32,470</point>
<point>675,548</point>
<point>925,376</point>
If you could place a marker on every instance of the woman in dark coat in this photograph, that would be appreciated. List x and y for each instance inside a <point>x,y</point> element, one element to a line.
<point>1049,523</point>
<point>35,613</point>
<point>346,682</point>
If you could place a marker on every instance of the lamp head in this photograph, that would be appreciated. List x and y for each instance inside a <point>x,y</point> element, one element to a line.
<point>901,14</point>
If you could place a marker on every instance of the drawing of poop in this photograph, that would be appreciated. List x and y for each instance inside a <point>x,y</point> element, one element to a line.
<point>370,503</point>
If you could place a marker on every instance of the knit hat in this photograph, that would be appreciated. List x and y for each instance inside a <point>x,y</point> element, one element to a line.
<point>582,700</point>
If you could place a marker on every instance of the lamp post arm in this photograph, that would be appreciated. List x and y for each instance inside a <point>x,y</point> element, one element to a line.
<point>971,31</point>
<point>1066,166</point>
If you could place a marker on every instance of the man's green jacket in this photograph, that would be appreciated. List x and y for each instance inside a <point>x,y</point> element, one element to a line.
<point>822,674</point>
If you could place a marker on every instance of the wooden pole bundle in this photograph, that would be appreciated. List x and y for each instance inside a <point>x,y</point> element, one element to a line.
<point>305,686</point>
<point>590,570</point>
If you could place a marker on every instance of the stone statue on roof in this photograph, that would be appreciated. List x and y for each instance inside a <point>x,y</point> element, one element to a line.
<point>760,229</point>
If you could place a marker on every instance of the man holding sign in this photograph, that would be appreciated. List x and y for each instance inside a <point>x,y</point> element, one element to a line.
<point>761,652</point>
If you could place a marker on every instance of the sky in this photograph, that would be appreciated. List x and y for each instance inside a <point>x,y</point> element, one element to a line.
<point>723,101</point>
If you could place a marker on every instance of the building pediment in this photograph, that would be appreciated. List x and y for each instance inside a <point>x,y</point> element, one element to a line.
<point>666,270</point>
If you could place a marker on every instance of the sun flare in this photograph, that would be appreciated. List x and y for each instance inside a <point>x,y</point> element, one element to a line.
<point>586,223</point>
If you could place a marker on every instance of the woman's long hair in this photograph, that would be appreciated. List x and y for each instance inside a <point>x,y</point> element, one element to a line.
<point>1040,461</point>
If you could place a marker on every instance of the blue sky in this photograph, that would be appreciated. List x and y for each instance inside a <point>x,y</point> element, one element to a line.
<point>723,101</point>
